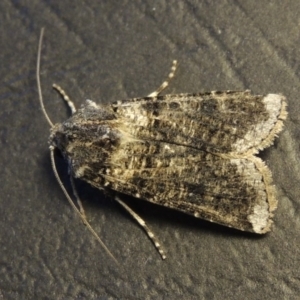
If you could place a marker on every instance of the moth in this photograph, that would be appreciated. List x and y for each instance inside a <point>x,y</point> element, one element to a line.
<point>195,153</point>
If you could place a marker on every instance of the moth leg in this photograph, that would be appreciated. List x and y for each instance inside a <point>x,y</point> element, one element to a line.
<point>79,203</point>
<point>144,225</point>
<point>65,97</point>
<point>165,83</point>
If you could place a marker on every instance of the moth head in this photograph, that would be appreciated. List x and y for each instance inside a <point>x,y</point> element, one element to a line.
<point>58,138</point>
<point>91,126</point>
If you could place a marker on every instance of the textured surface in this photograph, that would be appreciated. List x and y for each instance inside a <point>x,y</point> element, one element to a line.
<point>106,52</point>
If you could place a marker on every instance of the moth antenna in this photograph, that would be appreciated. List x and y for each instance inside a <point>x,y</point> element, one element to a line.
<point>73,109</point>
<point>166,82</point>
<point>79,203</point>
<point>38,80</point>
<point>82,217</point>
<point>144,226</point>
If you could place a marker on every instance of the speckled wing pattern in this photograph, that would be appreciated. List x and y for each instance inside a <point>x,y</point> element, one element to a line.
<point>191,152</point>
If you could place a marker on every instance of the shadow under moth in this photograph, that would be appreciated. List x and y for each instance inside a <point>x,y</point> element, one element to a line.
<point>191,152</point>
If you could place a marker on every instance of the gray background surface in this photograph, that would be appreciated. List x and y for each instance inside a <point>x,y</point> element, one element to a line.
<point>110,50</point>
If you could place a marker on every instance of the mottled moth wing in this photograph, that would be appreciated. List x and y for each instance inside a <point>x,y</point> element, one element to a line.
<point>190,152</point>
<point>217,122</point>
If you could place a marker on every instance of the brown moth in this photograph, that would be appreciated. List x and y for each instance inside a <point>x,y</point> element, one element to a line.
<point>195,153</point>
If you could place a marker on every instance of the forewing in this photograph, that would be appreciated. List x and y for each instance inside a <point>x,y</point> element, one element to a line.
<point>233,192</point>
<point>218,122</point>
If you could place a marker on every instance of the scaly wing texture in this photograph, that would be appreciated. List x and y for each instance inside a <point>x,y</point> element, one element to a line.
<point>193,153</point>
<point>218,122</point>
<point>234,192</point>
